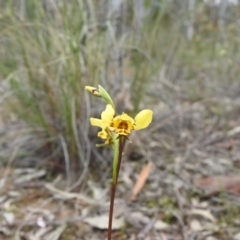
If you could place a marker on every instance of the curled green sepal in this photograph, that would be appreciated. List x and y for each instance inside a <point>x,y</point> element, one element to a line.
<point>115,159</point>
<point>104,94</point>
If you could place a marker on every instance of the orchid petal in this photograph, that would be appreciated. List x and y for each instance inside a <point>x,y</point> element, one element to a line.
<point>96,122</point>
<point>125,117</point>
<point>102,134</point>
<point>143,119</point>
<point>108,114</point>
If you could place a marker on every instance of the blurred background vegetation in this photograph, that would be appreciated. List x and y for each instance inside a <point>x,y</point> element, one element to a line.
<point>143,52</point>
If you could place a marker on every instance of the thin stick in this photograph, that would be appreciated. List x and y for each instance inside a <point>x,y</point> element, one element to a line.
<point>114,186</point>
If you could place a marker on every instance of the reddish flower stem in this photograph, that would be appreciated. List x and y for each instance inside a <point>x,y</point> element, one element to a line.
<point>114,186</point>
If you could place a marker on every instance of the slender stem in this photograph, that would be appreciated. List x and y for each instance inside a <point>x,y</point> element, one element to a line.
<point>114,186</point>
<point>121,146</point>
<point>113,190</point>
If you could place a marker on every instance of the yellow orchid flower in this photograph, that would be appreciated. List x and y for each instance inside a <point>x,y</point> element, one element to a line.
<point>115,131</point>
<point>122,124</point>
<point>104,123</point>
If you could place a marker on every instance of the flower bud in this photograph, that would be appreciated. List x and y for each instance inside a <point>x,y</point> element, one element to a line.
<point>93,90</point>
<point>101,92</point>
<point>104,94</point>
